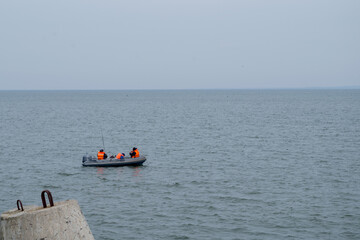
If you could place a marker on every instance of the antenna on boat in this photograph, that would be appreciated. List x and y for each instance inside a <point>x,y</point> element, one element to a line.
<point>102,136</point>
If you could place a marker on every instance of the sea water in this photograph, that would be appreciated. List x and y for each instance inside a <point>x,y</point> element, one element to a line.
<point>221,164</point>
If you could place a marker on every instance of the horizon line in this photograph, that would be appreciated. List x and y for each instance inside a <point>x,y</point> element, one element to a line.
<point>190,89</point>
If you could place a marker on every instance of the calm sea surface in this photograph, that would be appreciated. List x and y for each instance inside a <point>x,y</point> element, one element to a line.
<point>232,164</point>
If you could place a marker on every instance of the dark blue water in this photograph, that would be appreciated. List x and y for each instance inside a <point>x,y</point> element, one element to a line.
<point>232,164</point>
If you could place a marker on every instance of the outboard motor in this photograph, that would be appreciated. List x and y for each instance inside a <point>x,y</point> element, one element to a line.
<point>85,158</point>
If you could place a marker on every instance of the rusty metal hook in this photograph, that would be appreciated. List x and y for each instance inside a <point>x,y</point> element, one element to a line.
<point>49,197</point>
<point>17,203</point>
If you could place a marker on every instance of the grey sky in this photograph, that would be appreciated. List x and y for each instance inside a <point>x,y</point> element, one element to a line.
<point>165,44</point>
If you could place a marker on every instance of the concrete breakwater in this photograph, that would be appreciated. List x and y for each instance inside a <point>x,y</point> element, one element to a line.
<point>61,220</point>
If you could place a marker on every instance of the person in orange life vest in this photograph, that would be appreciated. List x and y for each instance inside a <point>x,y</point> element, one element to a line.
<point>101,155</point>
<point>120,155</point>
<point>134,153</point>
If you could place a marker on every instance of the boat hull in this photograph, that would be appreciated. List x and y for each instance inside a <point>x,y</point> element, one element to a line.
<point>112,162</point>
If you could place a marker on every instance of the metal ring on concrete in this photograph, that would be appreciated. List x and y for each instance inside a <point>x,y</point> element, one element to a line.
<point>17,203</point>
<point>49,197</point>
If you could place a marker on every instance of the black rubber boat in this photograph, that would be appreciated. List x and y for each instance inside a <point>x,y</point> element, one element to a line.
<point>91,161</point>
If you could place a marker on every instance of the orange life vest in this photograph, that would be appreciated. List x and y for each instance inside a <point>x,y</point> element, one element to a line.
<point>137,154</point>
<point>100,155</point>
<point>119,156</point>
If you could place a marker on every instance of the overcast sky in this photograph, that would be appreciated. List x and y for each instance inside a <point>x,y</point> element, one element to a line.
<point>173,44</point>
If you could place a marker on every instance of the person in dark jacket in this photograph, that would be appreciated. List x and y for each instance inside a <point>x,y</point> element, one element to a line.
<point>134,153</point>
<point>101,155</point>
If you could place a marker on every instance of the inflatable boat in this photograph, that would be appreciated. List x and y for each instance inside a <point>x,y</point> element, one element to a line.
<point>91,161</point>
